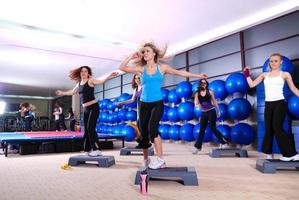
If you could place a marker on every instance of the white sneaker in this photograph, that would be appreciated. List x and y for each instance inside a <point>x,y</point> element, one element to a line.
<point>95,153</point>
<point>223,146</point>
<point>293,158</point>
<point>270,157</point>
<point>196,150</point>
<point>158,164</point>
<point>86,153</point>
<point>145,163</point>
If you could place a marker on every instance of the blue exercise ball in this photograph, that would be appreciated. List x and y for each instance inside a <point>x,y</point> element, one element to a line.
<point>110,129</point>
<point>110,118</point>
<point>104,104</point>
<point>186,110</point>
<point>165,95</point>
<point>286,65</point>
<point>239,109</point>
<point>173,98</point>
<point>207,136</point>
<point>218,87</point>
<point>223,111</point>
<point>236,83</point>
<point>174,132</point>
<point>184,90</point>
<point>172,114</point>
<point>197,112</point>
<point>117,130</point>
<point>131,115</point>
<point>115,117</point>
<point>224,130</point>
<point>293,105</point>
<point>195,86</point>
<point>129,132</point>
<point>164,116</point>
<point>133,104</point>
<point>111,105</point>
<point>242,133</point>
<point>103,116</point>
<point>186,132</point>
<point>122,114</point>
<point>163,129</point>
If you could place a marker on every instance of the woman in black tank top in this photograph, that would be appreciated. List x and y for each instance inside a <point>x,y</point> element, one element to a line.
<point>85,87</point>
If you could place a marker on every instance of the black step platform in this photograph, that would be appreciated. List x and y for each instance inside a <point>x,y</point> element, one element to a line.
<point>133,150</point>
<point>269,166</point>
<point>103,161</point>
<point>186,174</point>
<point>216,153</point>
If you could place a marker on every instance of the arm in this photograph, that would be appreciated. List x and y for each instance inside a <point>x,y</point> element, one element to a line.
<point>169,70</point>
<point>101,81</point>
<point>253,83</point>
<point>129,100</point>
<point>124,65</point>
<point>69,92</point>
<point>290,83</point>
<point>215,103</point>
<point>68,117</point>
<point>196,102</point>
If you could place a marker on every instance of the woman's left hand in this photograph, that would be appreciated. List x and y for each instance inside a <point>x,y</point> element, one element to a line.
<point>203,75</point>
<point>218,114</point>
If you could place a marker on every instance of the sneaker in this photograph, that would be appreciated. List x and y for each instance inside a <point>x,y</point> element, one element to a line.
<point>270,157</point>
<point>224,146</point>
<point>145,163</point>
<point>86,153</point>
<point>196,150</point>
<point>158,164</point>
<point>293,158</point>
<point>95,153</point>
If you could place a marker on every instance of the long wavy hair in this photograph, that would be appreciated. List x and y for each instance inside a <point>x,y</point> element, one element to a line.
<point>159,53</point>
<point>134,84</point>
<point>75,73</point>
<point>200,85</point>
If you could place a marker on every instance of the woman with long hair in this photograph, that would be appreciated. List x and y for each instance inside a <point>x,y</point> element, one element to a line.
<point>85,87</point>
<point>275,108</point>
<point>147,64</point>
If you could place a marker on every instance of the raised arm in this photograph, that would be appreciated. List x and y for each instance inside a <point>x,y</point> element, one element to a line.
<point>124,65</point>
<point>253,83</point>
<point>169,70</point>
<point>290,83</point>
<point>69,92</point>
<point>101,81</point>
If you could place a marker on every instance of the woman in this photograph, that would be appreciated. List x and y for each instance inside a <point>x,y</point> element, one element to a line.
<point>205,99</point>
<point>85,86</point>
<point>59,117</point>
<point>276,108</point>
<point>147,65</point>
<point>136,85</point>
<point>71,117</point>
<point>28,118</point>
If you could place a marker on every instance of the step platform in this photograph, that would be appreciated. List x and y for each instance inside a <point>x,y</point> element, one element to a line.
<point>102,161</point>
<point>187,175</point>
<point>269,166</point>
<point>133,150</point>
<point>216,153</point>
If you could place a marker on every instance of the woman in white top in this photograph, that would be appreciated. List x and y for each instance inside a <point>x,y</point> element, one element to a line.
<point>276,108</point>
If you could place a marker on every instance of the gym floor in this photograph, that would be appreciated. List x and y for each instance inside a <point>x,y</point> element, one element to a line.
<point>40,177</point>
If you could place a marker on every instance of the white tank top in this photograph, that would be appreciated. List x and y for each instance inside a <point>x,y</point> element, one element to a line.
<point>274,88</point>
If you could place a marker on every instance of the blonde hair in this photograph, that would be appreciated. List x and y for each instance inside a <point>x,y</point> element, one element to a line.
<point>159,53</point>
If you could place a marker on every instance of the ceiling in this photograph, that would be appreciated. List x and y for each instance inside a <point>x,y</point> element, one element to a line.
<point>40,41</point>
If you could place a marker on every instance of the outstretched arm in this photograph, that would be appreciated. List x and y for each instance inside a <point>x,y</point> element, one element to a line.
<point>290,83</point>
<point>253,83</point>
<point>124,65</point>
<point>129,100</point>
<point>69,92</point>
<point>169,70</point>
<point>101,81</point>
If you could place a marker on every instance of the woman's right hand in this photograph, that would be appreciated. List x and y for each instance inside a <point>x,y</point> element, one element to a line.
<point>246,72</point>
<point>58,93</point>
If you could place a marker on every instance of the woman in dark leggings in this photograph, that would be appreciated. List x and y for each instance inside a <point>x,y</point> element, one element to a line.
<point>28,118</point>
<point>276,108</point>
<point>147,65</point>
<point>85,87</point>
<point>205,99</point>
<point>71,117</point>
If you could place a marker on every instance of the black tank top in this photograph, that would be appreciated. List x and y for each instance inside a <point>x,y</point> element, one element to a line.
<point>205,101</point>
<point>86,93</point>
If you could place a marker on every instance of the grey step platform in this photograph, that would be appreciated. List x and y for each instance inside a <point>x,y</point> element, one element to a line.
<point>133,150</point>
<point>186,174</point>
<point>215,153</point>
<point>103,161</point>
<point>269,166</point>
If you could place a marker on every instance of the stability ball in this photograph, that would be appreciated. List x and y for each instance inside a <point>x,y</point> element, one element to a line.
<point>172,114</point>
<point>104,104</point>
<point>218,87</point>
<point>207,136</point>
<point>195,86</point>
<point>173,98</point>
<point>239,109</point>
<point>242,133</point>
<point>133,104</point>
<point>286,65</point>
<point>115,117</point>
<point>103,116</point>
<point>186,110</point>
<point>224,130</point>
<point>174,132</point>
<point>117,130</point>
<point>129,132</point>
<point>164,116</point>
<point>163,129</point>
<point>122,114</point>
<point>186,132</point>
<point>197,112</point>
<point>165,95</point>
<point>293,105</point>
<point>223,111</point>
<point>184,90</point>
<point>236,83</point>
<point>131,115</point>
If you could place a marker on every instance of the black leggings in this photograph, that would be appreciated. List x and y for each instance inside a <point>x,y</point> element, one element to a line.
<point>28,120</point>
<point>72,124</point>
<point>209,116</point>
<point>275,112</point>
<point>149,118</point>
<point>90,137</point>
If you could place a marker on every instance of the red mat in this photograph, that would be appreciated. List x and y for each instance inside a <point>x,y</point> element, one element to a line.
<point>49,134</point>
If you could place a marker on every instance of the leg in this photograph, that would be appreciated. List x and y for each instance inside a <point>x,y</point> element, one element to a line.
<point>72,125</point>
<point>62,122</point>
<point>203,125</point>
<point>91,128</point>
<point>285,141</point>
<point>86,142</point>
<point>57,125</point>
<point>269,132</point>
<point>212,119</point>
<point>143,125</point>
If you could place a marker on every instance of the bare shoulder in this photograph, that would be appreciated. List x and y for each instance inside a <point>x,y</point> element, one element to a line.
<point>285,75</point>
<point>164,67</point>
